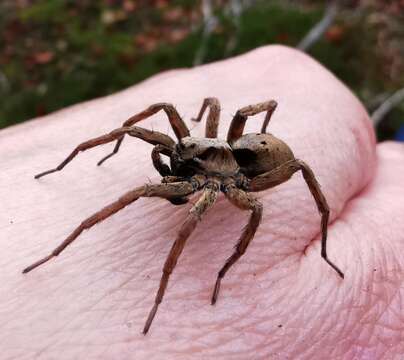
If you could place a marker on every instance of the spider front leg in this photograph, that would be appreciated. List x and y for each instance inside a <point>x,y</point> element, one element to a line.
<point>243,201</point>
<point>283,173</point>
<point>212,123</point>
<point>160,190</point>
<point>238,123</point>
<point>152,137</point>
<point>177,124</point>
<point>207,199</point>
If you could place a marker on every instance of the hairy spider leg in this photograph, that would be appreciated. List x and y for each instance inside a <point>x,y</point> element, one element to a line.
<point>243,201</point>
<point>159,190</point>
<point>165,171</point>
<point>206,201</point>
<point>238,122</point>
<point>158,163</point>
<point>152,137</point>
<point>212,123</point>
<point>176,122</point>
<point>283,173</point>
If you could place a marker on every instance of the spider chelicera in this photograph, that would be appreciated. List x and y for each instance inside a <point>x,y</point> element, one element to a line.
<point>237,166</point>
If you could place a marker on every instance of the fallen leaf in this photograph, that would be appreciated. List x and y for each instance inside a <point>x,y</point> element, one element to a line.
<point>335,33</point>
<point>44,57</point>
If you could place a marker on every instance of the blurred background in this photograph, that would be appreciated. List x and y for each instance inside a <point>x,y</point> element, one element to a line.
<point>54,53</point>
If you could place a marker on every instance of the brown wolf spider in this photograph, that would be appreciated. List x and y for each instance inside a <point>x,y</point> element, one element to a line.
<point>236,166</point>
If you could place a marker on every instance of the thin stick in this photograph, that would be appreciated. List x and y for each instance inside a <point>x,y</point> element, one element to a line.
<point>320,28</point>
<point>387,105</point>
<point>209,24</point>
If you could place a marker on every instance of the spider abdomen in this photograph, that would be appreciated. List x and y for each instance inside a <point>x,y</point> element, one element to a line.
<point>259,153</point>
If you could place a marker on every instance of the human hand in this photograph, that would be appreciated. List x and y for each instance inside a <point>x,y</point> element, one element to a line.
<point>281,300</point>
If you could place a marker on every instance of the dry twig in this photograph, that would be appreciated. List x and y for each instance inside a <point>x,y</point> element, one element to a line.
<point>209,24</point>
<point>320,28</point>
<point>387,106</point>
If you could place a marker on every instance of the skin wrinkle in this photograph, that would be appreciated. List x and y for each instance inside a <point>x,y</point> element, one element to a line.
<point>385,305</point>
<point>382,252</point>
<point>358,326</point>
<point>382,267</point>
<point>62,329</point>
<point>111,248</point>
<point>315,333</point>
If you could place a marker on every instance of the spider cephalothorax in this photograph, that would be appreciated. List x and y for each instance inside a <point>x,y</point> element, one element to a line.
<point>211,157</point>
<point>237,166</point>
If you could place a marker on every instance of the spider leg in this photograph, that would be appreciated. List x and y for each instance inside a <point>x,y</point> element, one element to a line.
<point>243,201</point>
<point>177,124</point>
<point>165,171</point>
<point>237,124</point>
<point>283,173</point>
<point>158,163</point>
<point>152,137</point>
<point>207,199</point>
<point>212,122</point>
<point>160,190</point>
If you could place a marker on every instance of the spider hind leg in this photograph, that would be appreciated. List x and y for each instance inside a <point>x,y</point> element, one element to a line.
<point>283,173</point>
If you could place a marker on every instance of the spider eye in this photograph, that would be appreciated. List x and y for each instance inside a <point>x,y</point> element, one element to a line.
<point>192,146</point>
<point>244,157</point>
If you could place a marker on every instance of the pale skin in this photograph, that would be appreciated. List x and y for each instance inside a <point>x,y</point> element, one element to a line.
<point>280,300</point>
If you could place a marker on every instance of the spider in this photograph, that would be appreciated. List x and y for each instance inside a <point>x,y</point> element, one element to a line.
<point>237,166</point>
